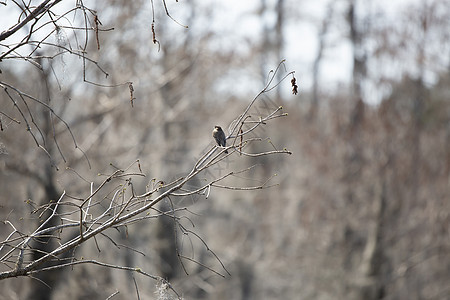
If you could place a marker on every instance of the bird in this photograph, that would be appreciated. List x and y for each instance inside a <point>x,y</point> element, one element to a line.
<point>219,136</point>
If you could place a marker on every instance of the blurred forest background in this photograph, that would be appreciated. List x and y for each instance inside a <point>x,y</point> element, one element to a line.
<point>362,206</point>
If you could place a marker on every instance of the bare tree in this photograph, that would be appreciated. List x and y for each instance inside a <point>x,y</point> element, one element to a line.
<point>68,221</point>
<point>357,35</point>
<point>319,56</point>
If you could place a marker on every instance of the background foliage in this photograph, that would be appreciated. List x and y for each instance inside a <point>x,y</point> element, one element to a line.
<point>362,206</point>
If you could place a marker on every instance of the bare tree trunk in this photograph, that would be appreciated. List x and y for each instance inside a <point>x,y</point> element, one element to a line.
<point>318,60</point>
<point>38,286</point>
<point>265,43</point>
<point>359,55</point>
<point>373,261</point>
<point>41,288</point>
<point>418,108</point>
<point>279,38</point>
<point>272,41</point>
<point>368,284</point>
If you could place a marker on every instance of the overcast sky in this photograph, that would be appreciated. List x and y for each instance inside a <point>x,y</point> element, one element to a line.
<point>235,21</point>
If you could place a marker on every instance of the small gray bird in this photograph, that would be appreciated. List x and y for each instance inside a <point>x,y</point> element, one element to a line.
<point>219,136</point>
